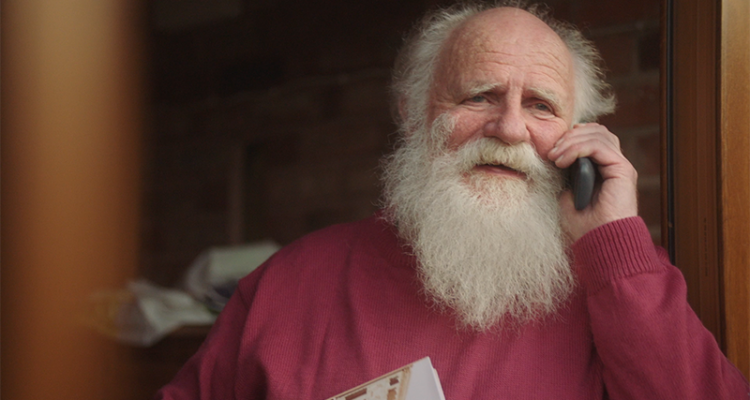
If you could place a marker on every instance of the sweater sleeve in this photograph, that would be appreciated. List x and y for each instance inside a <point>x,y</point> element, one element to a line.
<point>651,343</point>
<point>211,373</point>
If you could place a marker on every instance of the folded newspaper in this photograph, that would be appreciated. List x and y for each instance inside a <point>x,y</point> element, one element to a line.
<point>416,381</point>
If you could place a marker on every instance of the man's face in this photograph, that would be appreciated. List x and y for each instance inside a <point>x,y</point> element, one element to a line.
<point>504,75</point>
<point>489,244</point>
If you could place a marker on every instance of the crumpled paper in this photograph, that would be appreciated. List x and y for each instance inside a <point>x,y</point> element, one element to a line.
<point>144,313</point>
<point>214,274</point>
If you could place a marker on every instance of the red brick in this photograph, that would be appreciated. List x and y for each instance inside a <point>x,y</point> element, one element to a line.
<point>363,208</point>
<point>362,177</point>
<point>561,9</point>
<point>292,105</point>
<point>643,149</point>
<point>345,137</point>
<point>618,52</point>
<point>321,217</point>
<point>649,205</point>
<point>649,51</point>
<point>637,105</point>
<point>649,149</point>
<point>285,224</point>
<point>281,150</point>
<point>213,196</point>
<point>319,185</point>
<point>365,97</point>
<point>282,187</point>
<point>598,13</point>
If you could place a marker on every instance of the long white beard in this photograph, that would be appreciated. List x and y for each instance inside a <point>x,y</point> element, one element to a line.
<point>489,247</point>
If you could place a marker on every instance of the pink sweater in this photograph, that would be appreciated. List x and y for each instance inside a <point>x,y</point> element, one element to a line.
<point>343,305</point>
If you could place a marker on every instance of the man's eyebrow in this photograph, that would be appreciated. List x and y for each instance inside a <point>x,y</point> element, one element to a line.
<point>477,89</point>
<point>546,95</point>
<point>542,93</point>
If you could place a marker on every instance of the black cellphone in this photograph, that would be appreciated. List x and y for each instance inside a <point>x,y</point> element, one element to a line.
<point>582,177</point>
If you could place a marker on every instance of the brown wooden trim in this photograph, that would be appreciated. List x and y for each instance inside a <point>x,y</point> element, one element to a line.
<point>735,179</point>
<point>695,150</point>
<point>71,147</point>
<point>711,165</point>
<point>665,120</point>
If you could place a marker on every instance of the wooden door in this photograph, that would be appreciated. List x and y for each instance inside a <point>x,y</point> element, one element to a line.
<point>706,164</point>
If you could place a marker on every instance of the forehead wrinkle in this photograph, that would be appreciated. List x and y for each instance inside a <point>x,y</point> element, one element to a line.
<point>538,61</point>
<point>547,60</point>
<point>488,36</point>
<point>549,77</point>
<point>470,41</point>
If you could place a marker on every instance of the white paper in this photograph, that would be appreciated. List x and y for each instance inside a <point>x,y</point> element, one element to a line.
<point>417,381</point>
<point>424,383</point>
<point>224,266</point>
<point>143,313</point>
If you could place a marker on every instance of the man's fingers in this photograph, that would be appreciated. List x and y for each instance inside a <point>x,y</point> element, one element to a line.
<point>582,132</point>
<point>595,142</point>
<point>601,153</point>
<point>615,198</point>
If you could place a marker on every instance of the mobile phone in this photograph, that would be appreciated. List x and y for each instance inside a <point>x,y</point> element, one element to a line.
<point>582,176</point>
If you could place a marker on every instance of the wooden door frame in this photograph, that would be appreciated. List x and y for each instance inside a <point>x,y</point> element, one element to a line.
<point>706,163</point>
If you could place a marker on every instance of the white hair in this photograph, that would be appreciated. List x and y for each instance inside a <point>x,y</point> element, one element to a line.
<point>417,61</point>
<point>490,250</point>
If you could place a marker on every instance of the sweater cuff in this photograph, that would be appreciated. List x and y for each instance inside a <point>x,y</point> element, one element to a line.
<point>613,251</point>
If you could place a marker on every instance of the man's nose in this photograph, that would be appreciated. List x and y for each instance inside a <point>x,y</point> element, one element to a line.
<point>508,125</point>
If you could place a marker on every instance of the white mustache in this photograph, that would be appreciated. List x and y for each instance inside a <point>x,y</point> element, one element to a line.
<point>521,157</point>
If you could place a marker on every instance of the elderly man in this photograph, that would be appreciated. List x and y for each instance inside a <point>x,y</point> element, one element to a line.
<point>479,259</point>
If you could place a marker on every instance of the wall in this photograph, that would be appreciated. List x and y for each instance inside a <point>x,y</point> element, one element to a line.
<point>284,107</point>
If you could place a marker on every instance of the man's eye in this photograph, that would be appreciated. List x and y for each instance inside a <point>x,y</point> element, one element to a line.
<point>477,99</point>
<point>542,107</point>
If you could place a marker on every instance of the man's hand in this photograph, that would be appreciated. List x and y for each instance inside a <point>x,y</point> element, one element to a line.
<point>616,197</point>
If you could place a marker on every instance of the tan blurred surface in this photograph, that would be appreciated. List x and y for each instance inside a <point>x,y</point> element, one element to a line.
<point>70,141</point>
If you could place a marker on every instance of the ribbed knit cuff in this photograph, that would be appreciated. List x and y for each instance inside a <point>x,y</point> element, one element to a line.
<point>613,251</point>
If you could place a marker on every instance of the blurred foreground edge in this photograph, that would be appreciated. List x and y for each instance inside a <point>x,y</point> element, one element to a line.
<point>71,126</point>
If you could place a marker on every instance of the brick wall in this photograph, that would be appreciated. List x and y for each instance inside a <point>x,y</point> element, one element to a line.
<point>284,108</point>
<point>628,36</point>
